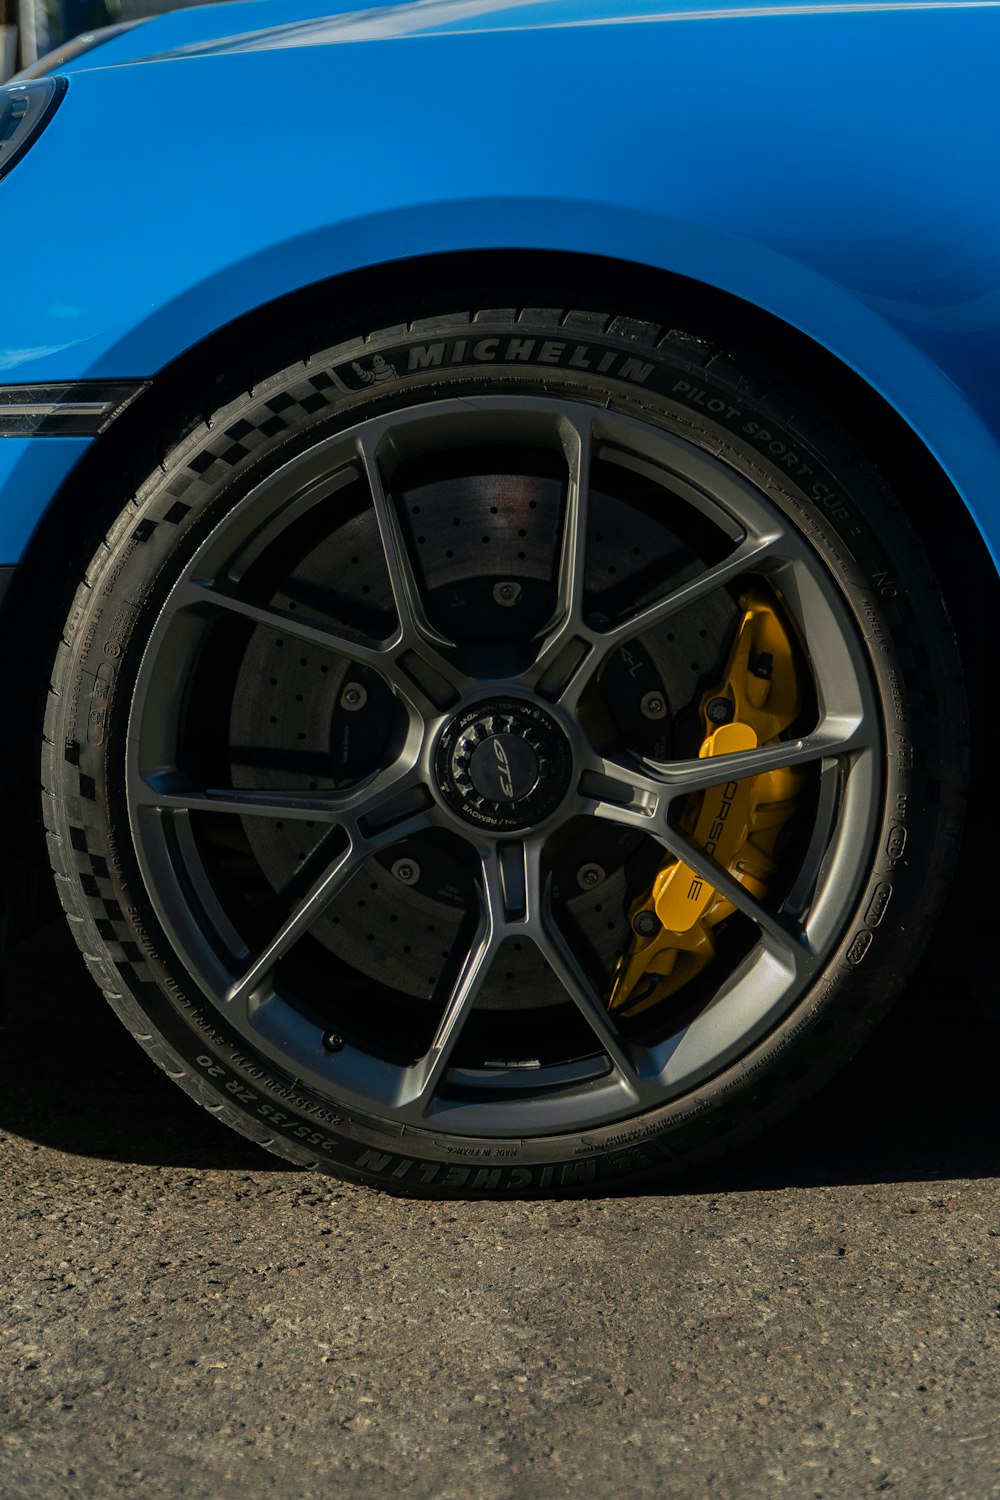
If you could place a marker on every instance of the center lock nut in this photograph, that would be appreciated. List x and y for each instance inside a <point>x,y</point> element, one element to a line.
<point>504,766</point>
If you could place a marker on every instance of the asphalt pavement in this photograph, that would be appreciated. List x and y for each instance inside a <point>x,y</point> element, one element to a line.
<point>184,1315</point>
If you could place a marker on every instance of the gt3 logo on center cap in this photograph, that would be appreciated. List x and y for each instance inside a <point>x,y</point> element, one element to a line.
<point>503,765</point>
<point>504,768</point>
<point>506,784</point>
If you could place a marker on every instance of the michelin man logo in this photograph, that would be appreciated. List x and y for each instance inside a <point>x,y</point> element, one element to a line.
<point>381,370</point>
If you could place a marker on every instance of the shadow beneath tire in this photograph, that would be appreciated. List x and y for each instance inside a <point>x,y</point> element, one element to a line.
<point>920,1103</point>
<point>72,1078</point>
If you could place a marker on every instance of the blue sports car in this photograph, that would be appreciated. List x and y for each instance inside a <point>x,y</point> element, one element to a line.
<point>498,515</point>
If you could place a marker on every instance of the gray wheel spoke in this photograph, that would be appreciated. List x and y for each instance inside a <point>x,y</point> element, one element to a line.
<point>631,795</point>
<point>315,903</point>
<point>565,645</point>
<point>778,934</point>
<point>204,597</point>
<point>832,739</point>
<point>621,794</point>
<point>437,684</point>
<point>799,897</point>
<point>276,803</point>
<point>384,801</point>
<point>518,872</point>
<point>423,1080</point>
<point>573,652</point>
<point>308,911</point>
<point>837,660</point>
<point>167,792</point>
<point>504,898</point>
<point>577,440</point>
<point>416,634</point>
<point>748,556</point>
<point>567,969</point>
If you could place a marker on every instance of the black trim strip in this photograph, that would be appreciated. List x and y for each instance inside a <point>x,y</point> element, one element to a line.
<point>79,408</point>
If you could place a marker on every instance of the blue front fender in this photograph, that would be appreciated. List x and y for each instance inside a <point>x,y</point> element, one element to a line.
<point>867,228</point>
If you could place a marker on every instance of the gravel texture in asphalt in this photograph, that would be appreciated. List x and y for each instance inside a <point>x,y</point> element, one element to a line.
<point>184,1315</point>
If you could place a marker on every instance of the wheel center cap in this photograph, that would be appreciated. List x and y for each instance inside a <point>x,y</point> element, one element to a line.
<point>504,768</point>
<point>503,765</point>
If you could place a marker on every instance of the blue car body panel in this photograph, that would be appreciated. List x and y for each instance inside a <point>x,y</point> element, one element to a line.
<point>795,156</point>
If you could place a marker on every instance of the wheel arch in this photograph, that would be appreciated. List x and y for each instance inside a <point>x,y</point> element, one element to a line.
<point>324,313</point>
<point>227,359</point>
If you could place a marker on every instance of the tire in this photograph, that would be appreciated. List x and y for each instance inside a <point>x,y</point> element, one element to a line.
<point>386,708</point>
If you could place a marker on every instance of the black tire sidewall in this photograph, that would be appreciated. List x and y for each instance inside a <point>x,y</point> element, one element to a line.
<point>787,449</point>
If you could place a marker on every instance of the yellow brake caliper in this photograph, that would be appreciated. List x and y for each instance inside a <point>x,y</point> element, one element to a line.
<point>737,822</point>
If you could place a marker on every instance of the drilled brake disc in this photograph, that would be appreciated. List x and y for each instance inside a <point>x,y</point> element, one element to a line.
<point>305,711</point>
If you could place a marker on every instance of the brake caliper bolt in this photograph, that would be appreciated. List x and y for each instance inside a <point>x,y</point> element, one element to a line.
<point>332,1041</point>
<point>646,923</point>
<point>587,876</point>
<point>406,870</point>
<point>653,705</point>
<point>353,697</point>
<point>507,593</point>
<point>719,710</point>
